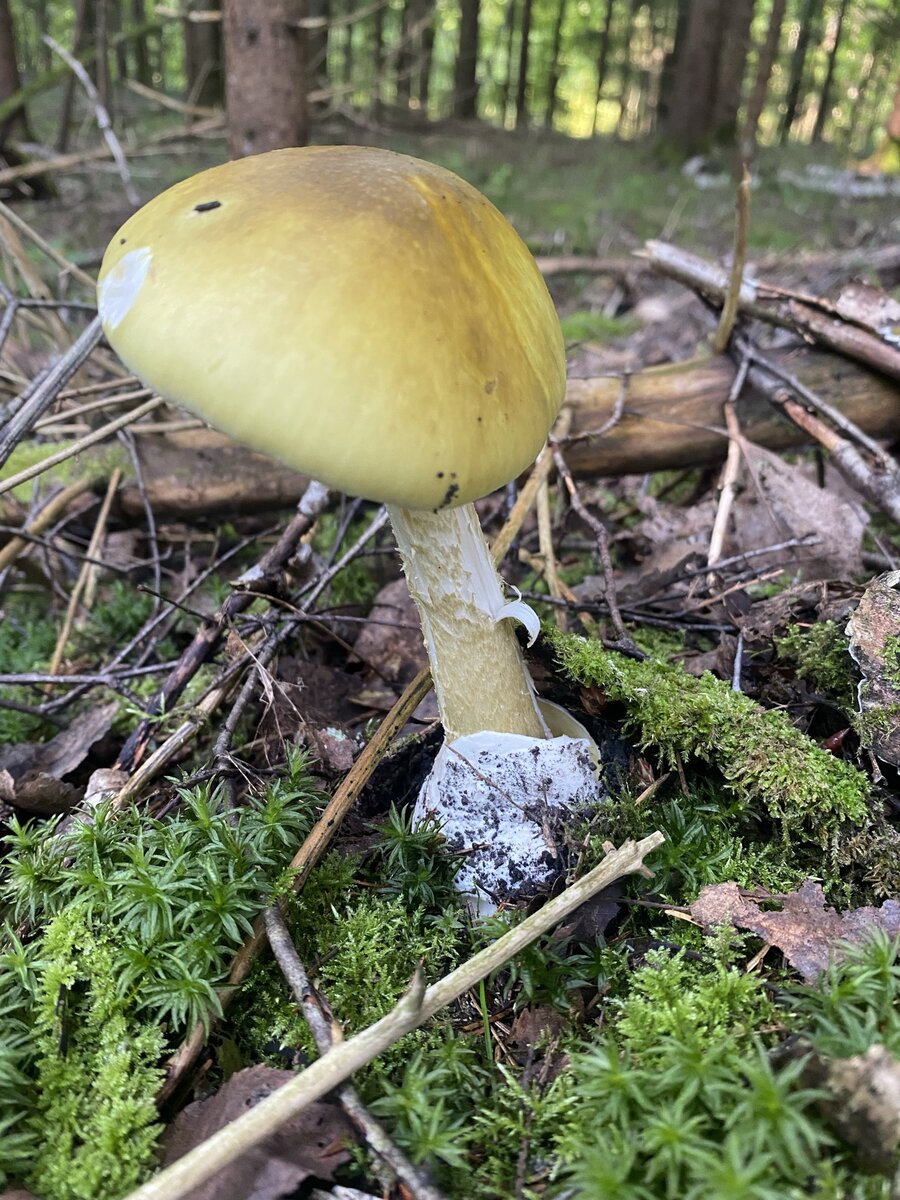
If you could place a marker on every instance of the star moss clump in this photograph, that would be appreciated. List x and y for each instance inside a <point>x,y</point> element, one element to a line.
<point>762,756</point>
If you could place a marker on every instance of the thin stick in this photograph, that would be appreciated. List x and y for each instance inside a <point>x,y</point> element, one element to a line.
<point>738,262</point>
<point>52,253</point>
<point>45,518</point>
<point>326,1032</point>
<point>103,120</point>
<point>81,583</point>
<point>548,554</point>
<point>36,398</point>
<point>730,472</point>
<point>99,435</point>
<point>416,1007</point>
<point>602,539</point>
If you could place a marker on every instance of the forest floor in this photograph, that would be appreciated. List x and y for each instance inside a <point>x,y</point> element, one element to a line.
<point>725,1022</point>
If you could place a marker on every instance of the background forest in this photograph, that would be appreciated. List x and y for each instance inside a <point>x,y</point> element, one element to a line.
<point>802,70</point>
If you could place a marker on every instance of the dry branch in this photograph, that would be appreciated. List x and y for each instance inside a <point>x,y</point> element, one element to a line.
<point>810,316</point>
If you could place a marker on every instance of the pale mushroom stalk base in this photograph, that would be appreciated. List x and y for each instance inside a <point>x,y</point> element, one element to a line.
<point>480,677</point>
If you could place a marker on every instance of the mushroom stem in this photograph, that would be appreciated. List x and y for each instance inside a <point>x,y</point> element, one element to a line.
<point>480,677</point>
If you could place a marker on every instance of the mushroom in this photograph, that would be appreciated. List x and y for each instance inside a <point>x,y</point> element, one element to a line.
<point>372,320</point>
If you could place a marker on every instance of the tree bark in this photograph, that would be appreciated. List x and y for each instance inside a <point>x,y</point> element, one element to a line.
<point>16,124</point>
<point>734,45</point>
<point>266,79</point>
<point>798,64</point>
<point>627,68</point>
<point>555,71</point>
<point>602,60</point>
<point>203,59</point>
<point>524,58</point>
<point>84,23</point>
<point>693,96</point>
<point>465,78</point>
<point>142,69</point>
<point>767,54</point>
<point>825,98</point>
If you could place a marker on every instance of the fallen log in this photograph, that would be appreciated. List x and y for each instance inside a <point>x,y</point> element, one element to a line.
<point>671,416</point>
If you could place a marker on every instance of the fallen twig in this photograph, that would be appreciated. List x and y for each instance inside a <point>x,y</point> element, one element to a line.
<point>810,316</point>
<point>416,1007</point>
<point>326,1033</point>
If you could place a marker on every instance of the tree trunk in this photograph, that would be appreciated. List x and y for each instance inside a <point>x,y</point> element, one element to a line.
<point>377,57</point>
<point>825,99</point>
<point>84,23</point>
<point>142,70</point>
<point>627,68</point>
<point>424,81</point>
<point>203,58</point>
<point>16,125</point>
<point>767,55</point>
<point>101,62</point>
<point>317,43</point>
<point>602,60</point>
<point>670,63</point>
<point>733,48</point>
<point>555,67</point>
<point>693,96</point>
<point>522,77</point>
<point>798,62</point>
<point>509,32</point>
<point>266,80</point>
<point>405,55</point>
<point>465,79</point>
<point>347,71</point>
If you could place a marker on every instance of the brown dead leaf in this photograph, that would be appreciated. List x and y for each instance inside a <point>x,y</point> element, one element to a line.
<point>805,930</point>
<point>873,630</point>
<point>309,1145</point>
<point>390,645</point>
<point>38,769</point>
<point>781,503</point>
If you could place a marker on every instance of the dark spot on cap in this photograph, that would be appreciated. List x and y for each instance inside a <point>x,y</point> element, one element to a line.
<point>440,474</point>
<point>449,494</point>
<point>489,385</point>
<point>207,206</point>
<point>480,419</point>
<point>122,241</point>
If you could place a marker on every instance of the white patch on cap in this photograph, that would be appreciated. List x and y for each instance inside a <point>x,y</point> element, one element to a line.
<point>118,290</point>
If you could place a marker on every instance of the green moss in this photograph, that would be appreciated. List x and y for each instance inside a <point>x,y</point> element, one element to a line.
<point>363,953</point>
<point>586,326</point>
<point>27,639</point>
<point>98,462</point>
<point>892,660</point>
<point>819,653</point>
<point>357,585</point>
<point>136,923</point>
<point>95,1070</point>
<point>761,755</point>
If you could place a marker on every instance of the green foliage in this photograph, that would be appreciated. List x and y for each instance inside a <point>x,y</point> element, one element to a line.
<point>856,1003</point>
<point>95,1069</point>
<point>363,953</point>
<point>413,864</point>
<point>138,920</point>
<point>584,325</point>
<point>819,653</point>
<point>763,758</point>
<point>27,639</point>
<point>357,584</point>
<point>686,1098</point>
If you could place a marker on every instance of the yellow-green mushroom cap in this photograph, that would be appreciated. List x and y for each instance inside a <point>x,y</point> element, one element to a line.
<point>367,318</point>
